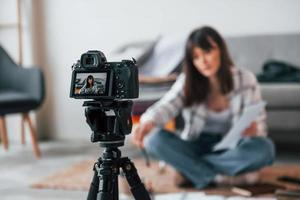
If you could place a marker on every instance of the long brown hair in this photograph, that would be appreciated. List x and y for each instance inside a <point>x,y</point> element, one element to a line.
<point>197,86</point>
<point>88,85</point>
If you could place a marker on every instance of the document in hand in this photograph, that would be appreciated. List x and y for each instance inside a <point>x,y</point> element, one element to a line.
<point>232,138</point>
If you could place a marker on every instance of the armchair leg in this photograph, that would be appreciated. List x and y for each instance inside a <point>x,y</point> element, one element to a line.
<point>36,148</point>
<point>3,132</point>
<point>23,141</point>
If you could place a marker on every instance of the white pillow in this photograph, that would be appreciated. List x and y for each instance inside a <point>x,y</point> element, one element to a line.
<point>167,54</point>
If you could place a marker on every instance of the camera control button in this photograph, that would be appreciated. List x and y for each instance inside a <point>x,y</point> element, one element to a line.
<point>120,85</point>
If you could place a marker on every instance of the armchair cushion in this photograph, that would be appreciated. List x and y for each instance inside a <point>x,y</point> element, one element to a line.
<point>21,89</point>
<point>15,101</point>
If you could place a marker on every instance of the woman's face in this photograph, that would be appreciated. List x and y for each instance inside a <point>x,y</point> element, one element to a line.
<point>90,81</point>
<point>207,62</point>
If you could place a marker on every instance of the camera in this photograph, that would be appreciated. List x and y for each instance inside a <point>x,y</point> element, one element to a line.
<point>110,85</point>
<point>95,78</point>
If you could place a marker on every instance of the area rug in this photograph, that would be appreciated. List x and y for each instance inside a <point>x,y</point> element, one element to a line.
<point>78,177</point>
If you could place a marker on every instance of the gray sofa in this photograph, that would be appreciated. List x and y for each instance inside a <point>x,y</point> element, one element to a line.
<point>283,99</point>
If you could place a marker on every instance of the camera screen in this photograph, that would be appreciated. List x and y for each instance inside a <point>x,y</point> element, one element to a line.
<point>92,84</point>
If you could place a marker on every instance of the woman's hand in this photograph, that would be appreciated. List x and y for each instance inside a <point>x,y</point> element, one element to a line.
<point>251,131</point>
<point>140,132</point>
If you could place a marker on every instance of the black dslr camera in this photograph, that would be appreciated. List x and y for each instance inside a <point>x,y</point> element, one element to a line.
<point>109,85</point>
<point>95,78</point>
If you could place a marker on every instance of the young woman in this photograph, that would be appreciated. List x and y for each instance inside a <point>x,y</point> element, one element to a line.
<point>211,95</point>
<point>90,87</point>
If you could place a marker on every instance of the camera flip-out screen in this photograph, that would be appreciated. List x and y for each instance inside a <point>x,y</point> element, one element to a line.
<point>93,84</point>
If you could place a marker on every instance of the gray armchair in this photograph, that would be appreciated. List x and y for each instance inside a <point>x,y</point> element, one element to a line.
<point>21,90</point>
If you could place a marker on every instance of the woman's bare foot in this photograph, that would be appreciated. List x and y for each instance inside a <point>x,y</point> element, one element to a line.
<point>243,179</point>
<point>181,181</point>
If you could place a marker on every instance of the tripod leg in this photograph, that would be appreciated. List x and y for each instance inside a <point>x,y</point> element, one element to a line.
<point>93,191</point>
<point>104,185</point>
<point>108,181</point>
<point>137,188</point>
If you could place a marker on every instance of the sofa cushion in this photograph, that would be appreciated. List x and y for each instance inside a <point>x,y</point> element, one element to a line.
<point>283,120</point>
<point>252,52</point>
<point>281,95</point>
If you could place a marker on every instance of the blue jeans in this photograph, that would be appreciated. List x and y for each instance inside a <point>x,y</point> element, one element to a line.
<point>196,161</point>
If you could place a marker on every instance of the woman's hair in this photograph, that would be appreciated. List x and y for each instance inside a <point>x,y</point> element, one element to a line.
<point>87,81</point>
<point>196,87</point>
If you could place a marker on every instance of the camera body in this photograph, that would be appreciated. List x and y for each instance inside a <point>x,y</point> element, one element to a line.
<point>95,78</point>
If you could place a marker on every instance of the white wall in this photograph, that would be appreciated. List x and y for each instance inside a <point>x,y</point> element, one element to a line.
<point>63,29</point>
<point>9,35</point>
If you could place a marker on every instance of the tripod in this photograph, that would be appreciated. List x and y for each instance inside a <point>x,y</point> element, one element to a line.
<point>110,122</point>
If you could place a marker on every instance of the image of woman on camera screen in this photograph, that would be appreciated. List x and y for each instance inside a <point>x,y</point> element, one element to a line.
<point>210,95</point>
<point>90,86</point>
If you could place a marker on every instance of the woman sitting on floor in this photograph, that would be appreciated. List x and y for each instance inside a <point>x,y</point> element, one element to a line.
<point>211,95</point>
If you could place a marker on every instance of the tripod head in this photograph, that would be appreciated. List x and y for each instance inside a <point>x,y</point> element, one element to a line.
<point>110,121</point>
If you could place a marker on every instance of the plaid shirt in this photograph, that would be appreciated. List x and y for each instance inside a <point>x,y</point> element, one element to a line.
<point>246,92</point>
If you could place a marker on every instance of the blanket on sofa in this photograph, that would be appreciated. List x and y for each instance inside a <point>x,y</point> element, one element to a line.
<point>279,71</point>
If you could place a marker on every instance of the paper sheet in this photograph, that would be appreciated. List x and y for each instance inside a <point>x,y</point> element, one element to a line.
<point>202,196</point>
<point>187,196</point>
<point>232,138</point>
<point>198,196</point>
